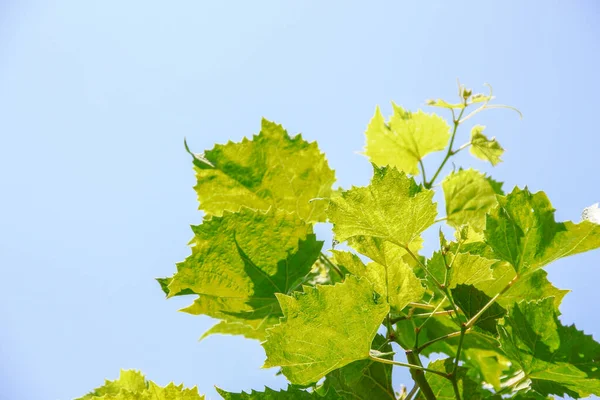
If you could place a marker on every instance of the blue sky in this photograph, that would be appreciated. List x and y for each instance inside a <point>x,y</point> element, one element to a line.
<point>97,199</point>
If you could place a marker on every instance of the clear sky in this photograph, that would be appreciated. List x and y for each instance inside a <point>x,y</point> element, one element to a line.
<point>97,96</point>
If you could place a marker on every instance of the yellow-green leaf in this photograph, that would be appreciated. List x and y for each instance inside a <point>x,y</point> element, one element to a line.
<point>392,208</point>
<point>271,170</point>
<point>239,262</point>
<point>406,139</point>
<point>132,385</point>
<point>395,279</point>
<point>469,195</point>
<point>484,148</point>
<point>460,269</point>
<point>325,328</point>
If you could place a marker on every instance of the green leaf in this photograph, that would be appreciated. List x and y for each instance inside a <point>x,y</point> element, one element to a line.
<point>534,286</point>
<point>291,393</point>
<point>364,379</point>
<point>442,387</point>
<point>132,385</point>
<point>557,359</point>
<point>472,300</point>
<point>239,262</point>
<point>406,139</point>
<point>464,268</point>
<point>325,328</point>
<point>483,148</point>
<point>394,280</point>
<point>487,366</point>
<point>271,170</point>
<point>469,195</point>
<point>404,209</point>
<point>238,328</point>
<point>521,229</point>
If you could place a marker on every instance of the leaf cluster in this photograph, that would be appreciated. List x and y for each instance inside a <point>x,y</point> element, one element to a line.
<point>337,321</point>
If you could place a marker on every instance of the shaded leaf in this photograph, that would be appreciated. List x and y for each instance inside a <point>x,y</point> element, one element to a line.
<point>472,300</point>
<point>557,359</point>
<point>521,229</point>
<point>442,387</point>
<point>239,262</point>
<point>291,393</point>
<point>364,379</point>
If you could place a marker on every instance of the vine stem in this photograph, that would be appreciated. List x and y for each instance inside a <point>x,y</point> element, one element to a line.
<point>426,315</point>
<point>411,366</point>
<point>423,169</point>
<point>419,377</point>
<point>455,388</point>
<point>412,393</point>
<point>450,152</point>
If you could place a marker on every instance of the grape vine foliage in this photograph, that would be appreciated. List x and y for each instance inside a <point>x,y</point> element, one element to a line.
<point>336,322</point>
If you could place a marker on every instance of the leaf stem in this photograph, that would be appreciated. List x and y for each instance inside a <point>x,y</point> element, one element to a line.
<point>405,317</point>
<point>423,169</point>
<point>421,305</point>
<point>411,366</point>
<point>409,251</point>
<point>486,107</point>
<point>331,265</point>
<point>450,152</point>
<point>475,317</point>
<point>427,344</point>
<point>463,331</point>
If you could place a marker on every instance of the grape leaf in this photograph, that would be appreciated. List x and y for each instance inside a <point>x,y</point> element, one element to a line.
<point>239,328</point>
<point>364,379</point>
<point>472,300</point>
<point>444,104</point>
<point>395,280</point>
<point>487,366</point>
<point>521,229</point>
<point>484,148</point>
<point>392,208</point>
<point>464,268</point>
<point>385,252</point>
<point>291,393</point>
<point>325,328</point>
<point>271,170</point>
<point>442,387</point>
<point>534,286</point>
<point>132,385</point>
<point>557,359</point>
<point>406,139</point>
<point>469,195</point>
<point>239,261</point>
